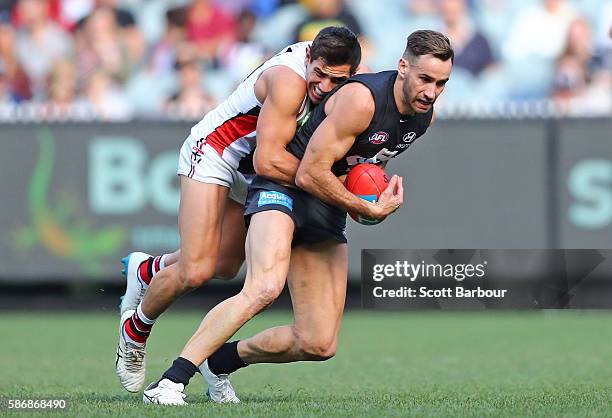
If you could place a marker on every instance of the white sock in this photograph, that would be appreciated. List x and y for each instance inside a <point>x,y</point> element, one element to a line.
<point>142,316</point>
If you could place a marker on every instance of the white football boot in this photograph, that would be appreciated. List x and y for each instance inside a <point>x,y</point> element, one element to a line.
<point>130,364</point>
<point>166,392</point>
<point>220,389</point>
<point>134,289</point>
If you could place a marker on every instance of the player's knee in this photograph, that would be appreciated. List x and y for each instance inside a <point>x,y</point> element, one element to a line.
<point>318,349</point>
<point>267,294</point>
<point>194,275</point>
<point>262,295</point>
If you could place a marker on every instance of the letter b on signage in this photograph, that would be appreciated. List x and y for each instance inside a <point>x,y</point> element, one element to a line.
<point>123,179</point>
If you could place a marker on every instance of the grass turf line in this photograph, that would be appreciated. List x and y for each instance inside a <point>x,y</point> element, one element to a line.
<point>388,364</point>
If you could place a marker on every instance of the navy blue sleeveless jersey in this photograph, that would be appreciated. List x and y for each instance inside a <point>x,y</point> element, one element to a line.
<point>388,135</point>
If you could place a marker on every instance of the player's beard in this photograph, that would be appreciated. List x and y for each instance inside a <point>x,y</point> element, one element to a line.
<point>410,102</point>
<point>406,100</point>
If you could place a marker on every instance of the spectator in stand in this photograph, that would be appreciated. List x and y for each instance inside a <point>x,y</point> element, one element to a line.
<point>245,54</point>
<point>163,55</point>
<point>105,98</point>
<point>132,38</point>
<point>582,82</point>
<point>7,95</point>
<point>15,78</point>
<point>325,13</point>
<point>131,34</point>
<point>472,50</point>
<point>39,35</point>
<point>125,18</point>
<point>101,45</point>
<point>66,13</point>
<point>149,86</point>
<point>422,7</point>
<point>63,90</point>
<point>539,31</point>
<point>190,101</point>
<point>210,28</point>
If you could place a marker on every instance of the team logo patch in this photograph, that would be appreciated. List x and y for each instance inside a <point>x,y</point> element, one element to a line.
<point>275,198</point>
<point>378,138</point>
<point>409,137</point>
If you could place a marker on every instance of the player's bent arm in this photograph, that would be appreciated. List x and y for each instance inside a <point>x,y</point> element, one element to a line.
<point>348,115</point>
<point>283,92</point>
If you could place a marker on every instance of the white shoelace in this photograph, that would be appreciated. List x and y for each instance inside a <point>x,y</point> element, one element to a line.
<point>141,293</point>
<point>134,357</point>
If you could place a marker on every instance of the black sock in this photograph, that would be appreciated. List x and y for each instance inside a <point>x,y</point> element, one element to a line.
<point>226,359</point>
<point>181,371</point>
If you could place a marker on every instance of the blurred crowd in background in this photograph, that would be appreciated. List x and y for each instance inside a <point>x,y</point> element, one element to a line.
<point>119,59</point>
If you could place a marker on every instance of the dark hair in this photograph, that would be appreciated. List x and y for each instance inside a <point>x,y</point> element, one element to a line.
<point>336,45</point>
<point>428,42</point>
<point>179,64</point>
<point>176,17</point>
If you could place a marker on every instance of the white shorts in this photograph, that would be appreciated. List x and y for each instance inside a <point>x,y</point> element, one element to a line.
<point>205,165</point>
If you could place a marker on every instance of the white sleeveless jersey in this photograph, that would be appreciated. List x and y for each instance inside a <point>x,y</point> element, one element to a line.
<point>230,127</point>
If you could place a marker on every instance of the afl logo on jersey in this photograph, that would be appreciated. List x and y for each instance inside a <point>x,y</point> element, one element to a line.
<point>379,138</point>
<point>409,137</point>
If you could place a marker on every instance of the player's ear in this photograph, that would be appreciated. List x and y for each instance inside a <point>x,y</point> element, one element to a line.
<point>402,67</point>
<point>307,55</point>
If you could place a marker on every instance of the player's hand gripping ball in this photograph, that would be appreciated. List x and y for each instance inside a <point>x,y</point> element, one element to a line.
<point>366,181</point>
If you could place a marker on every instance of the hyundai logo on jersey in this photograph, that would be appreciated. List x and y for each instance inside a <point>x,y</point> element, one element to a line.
<point>409,137</point>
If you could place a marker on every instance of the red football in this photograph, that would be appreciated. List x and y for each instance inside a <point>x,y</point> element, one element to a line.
<point>367,181</point>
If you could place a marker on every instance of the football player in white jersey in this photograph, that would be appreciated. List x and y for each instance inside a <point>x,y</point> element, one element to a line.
<point>296,235</point>
<point>268,103</point>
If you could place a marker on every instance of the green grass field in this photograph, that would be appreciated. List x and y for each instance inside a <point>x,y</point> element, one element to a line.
<point>408,364</point>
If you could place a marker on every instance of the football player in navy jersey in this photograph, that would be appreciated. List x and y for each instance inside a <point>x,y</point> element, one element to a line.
<point>214,173</point>
<point>369,118</point>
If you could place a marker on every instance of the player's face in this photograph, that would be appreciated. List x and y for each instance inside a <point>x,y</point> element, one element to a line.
<point>424,81</point>
<point>322,78</point>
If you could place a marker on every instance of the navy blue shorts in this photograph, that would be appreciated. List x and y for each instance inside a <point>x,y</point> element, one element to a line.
<point>315,221</point>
